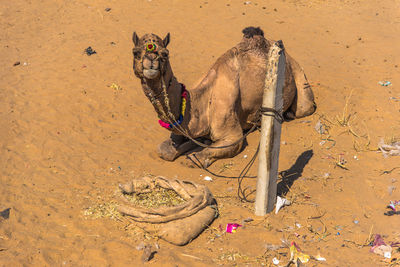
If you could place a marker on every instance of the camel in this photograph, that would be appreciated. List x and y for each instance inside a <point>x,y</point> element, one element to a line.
<point>226,101</point>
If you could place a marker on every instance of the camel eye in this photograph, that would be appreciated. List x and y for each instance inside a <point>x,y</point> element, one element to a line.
<point>164,53</point>
<point>137,52</point>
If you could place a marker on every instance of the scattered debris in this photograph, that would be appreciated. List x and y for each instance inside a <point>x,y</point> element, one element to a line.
<point>296,254</point>
<point>232,227</point>
<point>16,63</point>
<point>275,261</point>
<point>319,127</point>
<point>89,51</point>
<point>115,86</point>
<point>247,2</point>
<point>384,83</point>
<point>392,149</point>
<point>280,202</point>
<point>245,156</point>
<point>208,178</point>
<point>5,214</point>
<point>392,206</point>
<point>319,258</point>
<point>355,221</point>
<point>191,256</point>
<point>341,162</point>
<point>390,171</point>
<point>379,247</point>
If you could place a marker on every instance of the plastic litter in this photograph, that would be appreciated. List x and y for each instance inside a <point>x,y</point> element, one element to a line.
<point>275,261</point>
<point>232,227</point>
<point>208,178</point>
<point>319,258</point>
<point>280,202</point>
<point>296,253</point>
<point>384,83</point>
<point>379,247</point>
<point>5,214</point>
<point>392,149</point>
<point>89,51</point>
<point>319,127</point>
<point>394,208</point>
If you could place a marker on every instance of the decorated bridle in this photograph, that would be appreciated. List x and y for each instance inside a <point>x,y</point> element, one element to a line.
<point>152,48</point>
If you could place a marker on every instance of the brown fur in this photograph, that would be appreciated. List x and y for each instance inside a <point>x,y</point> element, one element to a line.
<point>225,100</point>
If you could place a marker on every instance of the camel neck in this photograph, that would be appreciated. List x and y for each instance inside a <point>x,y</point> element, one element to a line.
<point>163,104</point>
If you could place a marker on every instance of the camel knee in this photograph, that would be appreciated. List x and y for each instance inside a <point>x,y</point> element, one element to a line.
<point>167,151</point>
<point>305,109</point>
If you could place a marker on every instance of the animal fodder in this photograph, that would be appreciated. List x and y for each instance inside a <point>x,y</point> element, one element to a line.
<point>176,211</point>
<point>158,197</point>
<point>103,210</point>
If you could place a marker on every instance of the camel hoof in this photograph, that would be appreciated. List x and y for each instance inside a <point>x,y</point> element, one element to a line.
<point>167,151</point>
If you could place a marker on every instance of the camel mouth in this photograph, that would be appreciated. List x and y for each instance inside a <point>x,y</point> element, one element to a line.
<point>150,73</point>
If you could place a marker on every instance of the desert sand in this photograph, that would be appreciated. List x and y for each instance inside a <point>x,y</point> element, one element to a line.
<point>68,137</point>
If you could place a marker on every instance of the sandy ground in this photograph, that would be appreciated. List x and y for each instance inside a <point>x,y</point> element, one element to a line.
<point>68,139</point>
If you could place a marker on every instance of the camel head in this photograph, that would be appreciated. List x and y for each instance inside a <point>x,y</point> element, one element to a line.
<point>150,56</point>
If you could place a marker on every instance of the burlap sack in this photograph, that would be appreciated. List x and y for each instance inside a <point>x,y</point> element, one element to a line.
<point>178,224</point>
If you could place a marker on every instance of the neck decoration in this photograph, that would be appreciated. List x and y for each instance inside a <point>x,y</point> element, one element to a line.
<point>183,109</point>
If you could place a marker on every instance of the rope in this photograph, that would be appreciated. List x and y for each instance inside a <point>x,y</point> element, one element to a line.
<point>241,193</point>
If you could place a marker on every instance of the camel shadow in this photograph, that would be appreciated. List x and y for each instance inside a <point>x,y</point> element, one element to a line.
<point>293,173</point>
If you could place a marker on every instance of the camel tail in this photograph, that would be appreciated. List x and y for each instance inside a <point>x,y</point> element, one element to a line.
<point>249,32</point>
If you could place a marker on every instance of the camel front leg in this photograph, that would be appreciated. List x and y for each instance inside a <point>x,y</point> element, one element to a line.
<point>209,155</point>
<point>174,146</point>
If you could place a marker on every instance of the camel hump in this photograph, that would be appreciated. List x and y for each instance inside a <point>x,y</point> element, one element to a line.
<point>249,32</point>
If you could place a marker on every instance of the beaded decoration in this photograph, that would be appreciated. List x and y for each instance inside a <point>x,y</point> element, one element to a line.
<point>183,109</point>
<point>150,47</point>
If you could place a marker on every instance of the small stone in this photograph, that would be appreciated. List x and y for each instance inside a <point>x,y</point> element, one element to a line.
<point>108,9</point>
<point>17,63</point>
<point>148,253</point>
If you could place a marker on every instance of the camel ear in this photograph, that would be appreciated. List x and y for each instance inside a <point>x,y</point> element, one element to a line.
<point>166,40</point>
<point>135,38</point>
